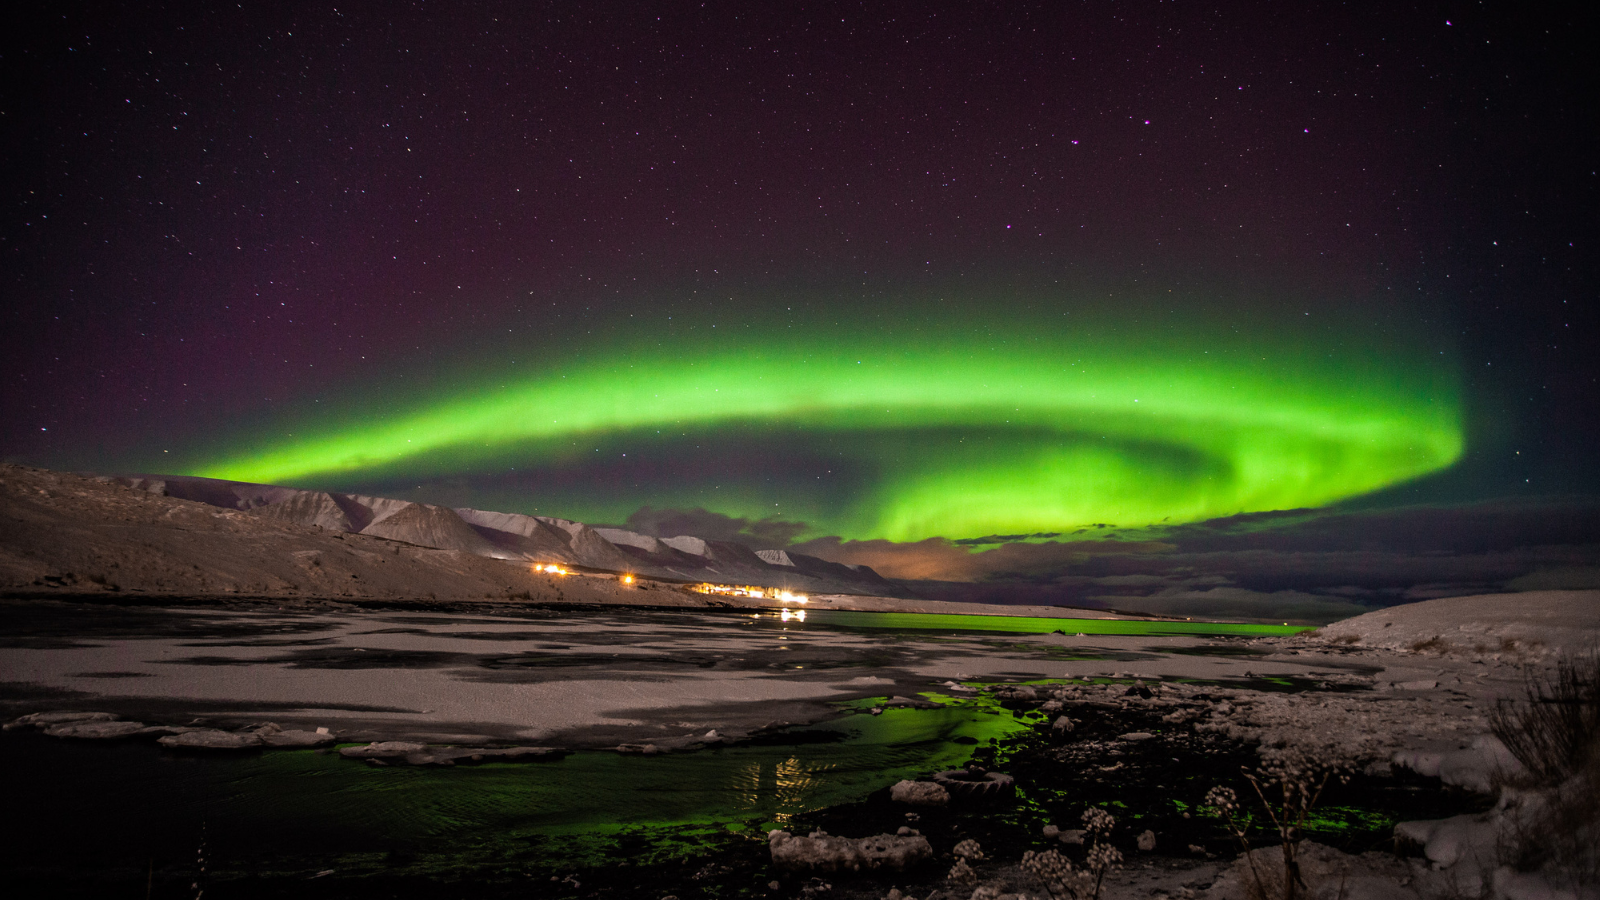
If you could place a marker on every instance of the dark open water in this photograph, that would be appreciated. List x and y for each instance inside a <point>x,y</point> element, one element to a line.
<point>115,812</point>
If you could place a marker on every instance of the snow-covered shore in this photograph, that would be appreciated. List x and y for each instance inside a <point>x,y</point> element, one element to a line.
<point>1439,668</point>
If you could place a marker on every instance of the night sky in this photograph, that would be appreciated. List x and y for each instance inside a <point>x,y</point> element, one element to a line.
<point>830,271</point>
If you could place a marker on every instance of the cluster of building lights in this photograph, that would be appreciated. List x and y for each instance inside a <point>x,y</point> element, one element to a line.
<point>745,590</point>
<point>736,590</point>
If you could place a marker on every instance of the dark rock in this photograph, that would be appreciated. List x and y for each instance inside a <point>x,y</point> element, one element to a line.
<point>210,739</point>
<point>383,750</point>
<point>975,785</point>
<point>821,852</point>
<point>293,739</point>
<point>96,730</point>
<point>919,793</point>
<point>59,717</point>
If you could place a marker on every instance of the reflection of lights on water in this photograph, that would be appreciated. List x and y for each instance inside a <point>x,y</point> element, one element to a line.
<point>785,785</point>
<point>748,783</point>
<point>793,780</point>
<point>799,614</point>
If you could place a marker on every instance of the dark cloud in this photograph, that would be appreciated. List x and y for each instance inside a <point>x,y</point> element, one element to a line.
<point>1004,538</point>
<point>1465,528</point>
<point>946,560</point>
<point>1240,603</point>
<point>1569,578</point>
<point>1298,565</point>
<point>758,534</point>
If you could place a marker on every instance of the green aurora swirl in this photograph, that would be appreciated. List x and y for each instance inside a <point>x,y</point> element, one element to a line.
<point>965,431</point>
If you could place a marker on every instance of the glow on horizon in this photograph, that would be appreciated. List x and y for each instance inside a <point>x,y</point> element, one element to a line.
<point>1078,431</point>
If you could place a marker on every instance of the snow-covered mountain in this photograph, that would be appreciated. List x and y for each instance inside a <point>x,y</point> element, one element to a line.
<point>514,536</point>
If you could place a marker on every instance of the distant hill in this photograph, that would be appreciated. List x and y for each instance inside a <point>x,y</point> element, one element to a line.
<point>514,536</point>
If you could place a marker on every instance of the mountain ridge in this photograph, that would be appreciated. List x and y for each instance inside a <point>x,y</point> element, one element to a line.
<point>515,536</point>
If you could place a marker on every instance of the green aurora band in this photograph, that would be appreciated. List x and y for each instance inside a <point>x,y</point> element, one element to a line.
<point>965,433</point>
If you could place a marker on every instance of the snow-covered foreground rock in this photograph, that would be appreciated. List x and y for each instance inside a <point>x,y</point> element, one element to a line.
<point>1446,664</point>
<point>1409,688</point>
<point>1533,626</point>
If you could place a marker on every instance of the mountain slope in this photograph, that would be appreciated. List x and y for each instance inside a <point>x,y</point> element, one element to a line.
<point>317,509</point>
<point>515,533</point>
<point>433,526</point>
<point>534,538</point>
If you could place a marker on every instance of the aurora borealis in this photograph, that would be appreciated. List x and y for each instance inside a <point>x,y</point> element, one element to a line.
<point>1015,274</point>
<point>955,431</point>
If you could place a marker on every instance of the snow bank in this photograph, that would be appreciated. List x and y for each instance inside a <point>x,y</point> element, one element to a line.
<point>1532,625</point>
